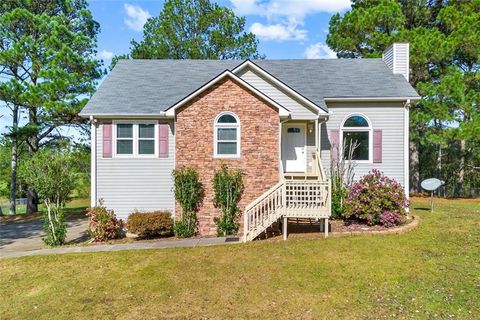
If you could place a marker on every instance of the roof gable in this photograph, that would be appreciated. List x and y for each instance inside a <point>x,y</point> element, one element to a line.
<point>279,84</point>
<point>283,112</point>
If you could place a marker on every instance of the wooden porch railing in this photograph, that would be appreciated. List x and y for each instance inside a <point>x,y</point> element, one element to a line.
<point>318,166</point>
<point>287,199</point>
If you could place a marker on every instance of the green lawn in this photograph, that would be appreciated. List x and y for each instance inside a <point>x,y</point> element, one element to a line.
<point>75,208</point>
<point>430,272</point>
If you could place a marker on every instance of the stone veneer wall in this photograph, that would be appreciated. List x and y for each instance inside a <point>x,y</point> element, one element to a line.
<point>259,153</point>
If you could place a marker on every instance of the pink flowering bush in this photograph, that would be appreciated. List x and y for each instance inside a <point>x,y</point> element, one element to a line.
<point>376,200</point>
<point>103,224</point>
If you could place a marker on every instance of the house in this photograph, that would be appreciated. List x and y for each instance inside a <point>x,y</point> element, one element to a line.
<point>281,122</point>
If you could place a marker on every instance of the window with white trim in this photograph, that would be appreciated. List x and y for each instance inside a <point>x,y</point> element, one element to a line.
<point>357,131</point>
<point>124,136</point>
<point>227,136</point>
<point>135,138</point>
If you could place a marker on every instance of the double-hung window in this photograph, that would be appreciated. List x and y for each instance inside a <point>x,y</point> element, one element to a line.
<point>135,139</point>
<point>227,136</point>
<point>146,138</point>
<point>124,138</point>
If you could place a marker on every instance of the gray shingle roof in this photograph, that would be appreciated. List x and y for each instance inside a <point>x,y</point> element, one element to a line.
<point>146,87</point>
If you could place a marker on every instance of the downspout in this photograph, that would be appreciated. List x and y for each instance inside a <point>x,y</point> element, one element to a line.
<point>406,146</point>
<point>318,137</point>
<point>93,162</point>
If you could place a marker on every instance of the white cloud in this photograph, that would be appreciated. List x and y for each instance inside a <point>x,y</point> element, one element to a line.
<point>288,8</point>
<point>319,51</point>
<point>105,55</point>
<point>136,16</point>
<point>284,16</point>
<point>279,31</point>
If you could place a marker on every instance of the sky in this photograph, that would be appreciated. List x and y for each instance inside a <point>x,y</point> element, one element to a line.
<point>286,29</point>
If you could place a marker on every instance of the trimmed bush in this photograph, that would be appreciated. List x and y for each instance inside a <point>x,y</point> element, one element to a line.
<point>103,224</point>
<point>228,188</point>
<point>183,229</point>
<point>150,224</point>
<point>376,200</point>
<point>189,194</point>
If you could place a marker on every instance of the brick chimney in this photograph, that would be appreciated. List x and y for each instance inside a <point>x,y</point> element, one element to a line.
<point>397,58</point>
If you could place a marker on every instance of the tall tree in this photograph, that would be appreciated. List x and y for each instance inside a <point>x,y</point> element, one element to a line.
<point>195,29</point>
<point>48,68</point>
<point>444,53</point>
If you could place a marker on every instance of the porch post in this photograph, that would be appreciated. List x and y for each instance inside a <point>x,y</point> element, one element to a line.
<point>326,227</point>
<point>285,222</point>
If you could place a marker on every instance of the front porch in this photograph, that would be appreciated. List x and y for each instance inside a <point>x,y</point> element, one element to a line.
<point>303,192</point>
<point>300,150</point>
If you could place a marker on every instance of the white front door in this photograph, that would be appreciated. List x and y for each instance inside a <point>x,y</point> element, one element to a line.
<point>294,147</point>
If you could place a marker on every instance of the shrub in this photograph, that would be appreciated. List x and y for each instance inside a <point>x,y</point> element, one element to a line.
<point>189,193</point>
<point>150,224</point>
<point>228,188</point>
<point>183,229</point>
<point>339,193</point>
<point>376,199</point>
<point>103,224</point>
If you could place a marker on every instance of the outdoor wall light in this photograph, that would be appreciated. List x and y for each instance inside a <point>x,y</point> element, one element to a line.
<point>310,127</point>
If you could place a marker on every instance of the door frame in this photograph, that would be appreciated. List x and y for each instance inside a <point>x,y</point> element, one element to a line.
<point>285,126</point>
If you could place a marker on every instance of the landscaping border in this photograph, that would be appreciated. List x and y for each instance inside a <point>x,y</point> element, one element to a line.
<point>397,230</point>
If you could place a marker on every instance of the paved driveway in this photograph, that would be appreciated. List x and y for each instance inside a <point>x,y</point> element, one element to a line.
<point>16,237</point>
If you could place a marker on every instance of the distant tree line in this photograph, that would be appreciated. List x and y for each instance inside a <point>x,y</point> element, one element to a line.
<point>444,39</point>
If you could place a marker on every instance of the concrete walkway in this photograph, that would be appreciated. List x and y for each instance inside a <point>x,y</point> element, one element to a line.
<point>24,238</point>
<point>20,237</point>
<point>126,246</point>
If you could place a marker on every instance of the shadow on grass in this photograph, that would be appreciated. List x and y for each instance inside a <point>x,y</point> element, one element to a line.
<point>422,209</point>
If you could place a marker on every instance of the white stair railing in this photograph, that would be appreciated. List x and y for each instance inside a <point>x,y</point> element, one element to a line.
<point>263,211</point>
<point>290,199</point>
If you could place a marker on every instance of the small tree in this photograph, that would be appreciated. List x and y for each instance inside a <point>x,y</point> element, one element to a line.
<point>189,194</point>
<point>228,188</point>
<point>52,175</point>
<point>342,174</point>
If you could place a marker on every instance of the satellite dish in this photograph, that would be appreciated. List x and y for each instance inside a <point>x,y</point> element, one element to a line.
<point>432,185</point>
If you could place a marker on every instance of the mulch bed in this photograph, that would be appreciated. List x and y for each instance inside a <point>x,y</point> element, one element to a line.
<point>21,217</point>
<point>308,228</point>
<point>350,226</point>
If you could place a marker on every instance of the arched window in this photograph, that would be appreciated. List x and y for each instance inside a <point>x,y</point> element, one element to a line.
<point>227,136</point>
<point>356,138</point>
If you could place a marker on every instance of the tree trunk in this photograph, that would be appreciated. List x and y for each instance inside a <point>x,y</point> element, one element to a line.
<point>13,178</point>
<point>32,200</point>
<point>461,173</point>
<point>414,168</point>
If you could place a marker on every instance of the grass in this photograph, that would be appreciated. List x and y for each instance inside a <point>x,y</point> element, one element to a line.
<point>73,209</point>
<point>5,206</point>
<point>430,272</point>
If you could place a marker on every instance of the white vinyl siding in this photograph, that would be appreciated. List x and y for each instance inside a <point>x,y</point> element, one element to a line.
<point>386,116</point>
<point>397,57</point>
<point>127,184</point>
<point>297,109</point>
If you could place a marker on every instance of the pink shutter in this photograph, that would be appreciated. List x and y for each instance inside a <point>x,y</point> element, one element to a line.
<point>377,146</point>
<point>334,137</point>
<point>107,140</point>
<point>163,129</point>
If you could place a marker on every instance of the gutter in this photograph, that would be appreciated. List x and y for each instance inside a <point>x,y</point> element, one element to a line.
<point>349,99</point>
<point>162,114</point>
